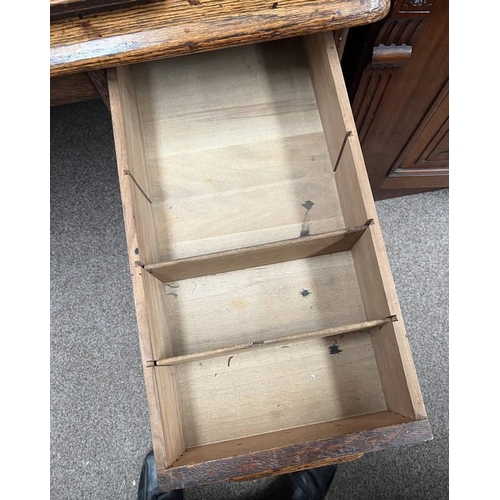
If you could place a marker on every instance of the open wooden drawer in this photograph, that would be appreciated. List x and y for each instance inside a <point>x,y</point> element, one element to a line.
<point>270,329</point>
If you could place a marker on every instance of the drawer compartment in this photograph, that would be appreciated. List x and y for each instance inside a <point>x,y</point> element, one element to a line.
<point>270,329</point>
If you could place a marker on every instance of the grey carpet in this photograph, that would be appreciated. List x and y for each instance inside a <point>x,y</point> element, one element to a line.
<point>99,419</point>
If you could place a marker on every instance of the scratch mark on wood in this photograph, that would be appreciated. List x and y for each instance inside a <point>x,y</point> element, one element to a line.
<point>139,187</point>
<point>347,135</point>
<point>229,360</point>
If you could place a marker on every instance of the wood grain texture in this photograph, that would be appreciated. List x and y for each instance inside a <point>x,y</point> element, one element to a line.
<point>403,107</point>
<point>318,49</point>
<point>150,304</point>
<point>303,447</point>
<point>279,387</point>
<point>65,8</point>
<point>72,88</point>
<point>263,303</point>
<point>393,357</point>
<point>132,164</point>
<point>340,37</point>
<point>259,255</point>
<point>371,92</point>
<point>427,153</point>
<point>99,79</point>
<point>392,55</point>
<point>394,360</point>
<point>205,166</point>
<point>169,401</point>
<point>158,317</point>
<point>294,468</point>
<point>167,29</point>
<point>239,164</point>
<point>259,344</point>
<point>141,306</point>
<point>336,117</point>
<point>354,200</point>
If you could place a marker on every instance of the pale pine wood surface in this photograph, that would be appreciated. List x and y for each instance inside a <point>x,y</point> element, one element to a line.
<point>227,151</point>
<point>152,318</point>
<point>283,341</point>
<point>392,350</point>
<point>264,303</point>
<point>290,437</point>
<point>278,388</point>
<point>129,146</point>
<point>257,255</point>
<point>235,147</point>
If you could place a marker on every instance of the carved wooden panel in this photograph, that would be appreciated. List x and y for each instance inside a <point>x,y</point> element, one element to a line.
<point>399,31</point>
<point>399,95</point>
<point>391,49</point>
<point>427,150</point>
<point>365,107</point>
<point>414,6</point>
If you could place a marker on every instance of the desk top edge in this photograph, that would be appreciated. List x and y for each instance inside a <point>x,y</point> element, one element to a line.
<point>171,28</point>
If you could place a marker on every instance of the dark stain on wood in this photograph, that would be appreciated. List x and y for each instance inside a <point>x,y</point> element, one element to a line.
<point>305,231</point>
<point>194,2</point>
<point>274,5</point>
<point>334,349</point>
<point>136,251</point>
<point>305,293</point>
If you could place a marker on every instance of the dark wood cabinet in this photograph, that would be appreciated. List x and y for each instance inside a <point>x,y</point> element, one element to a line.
<point>397,73</point>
